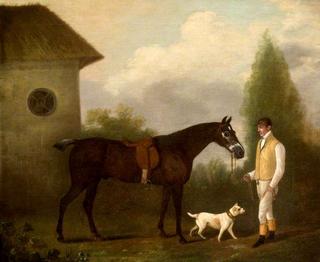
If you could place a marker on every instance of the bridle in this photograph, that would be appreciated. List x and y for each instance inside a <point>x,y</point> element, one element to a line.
<point>224,128</point>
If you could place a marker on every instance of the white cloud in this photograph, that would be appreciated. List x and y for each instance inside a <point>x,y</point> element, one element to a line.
<point>199,77</point>
<point>196,79</point>
<point>213,55</point>
<point>208,50</point>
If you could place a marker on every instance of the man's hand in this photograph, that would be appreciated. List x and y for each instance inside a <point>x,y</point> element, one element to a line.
<point>269,189</point>
<point>247,178</point>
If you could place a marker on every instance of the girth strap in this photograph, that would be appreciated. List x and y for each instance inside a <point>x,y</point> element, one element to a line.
<point>147,155</point>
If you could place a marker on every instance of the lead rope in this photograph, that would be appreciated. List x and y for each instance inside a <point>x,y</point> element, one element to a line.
<point>233,163</point>
<point>232,170</point>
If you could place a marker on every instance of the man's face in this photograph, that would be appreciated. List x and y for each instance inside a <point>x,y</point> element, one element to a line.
<point>263,129</point>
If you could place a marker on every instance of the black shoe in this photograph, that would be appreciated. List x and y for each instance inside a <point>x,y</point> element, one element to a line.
<point>259,242</point>
<point>271,235</point>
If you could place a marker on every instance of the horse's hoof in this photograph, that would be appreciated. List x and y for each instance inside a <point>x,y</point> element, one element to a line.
<point>183,240</point>
<point>98,238</point>
<point>60,238</point>
<point>163,234</point>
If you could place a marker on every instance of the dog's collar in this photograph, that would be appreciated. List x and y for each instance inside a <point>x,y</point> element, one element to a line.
<point>230,215</point>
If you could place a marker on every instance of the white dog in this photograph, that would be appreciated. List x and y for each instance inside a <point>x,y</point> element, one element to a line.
<point>222,222</point>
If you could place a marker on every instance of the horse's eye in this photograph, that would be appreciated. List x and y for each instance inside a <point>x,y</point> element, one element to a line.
<point>226,134</point>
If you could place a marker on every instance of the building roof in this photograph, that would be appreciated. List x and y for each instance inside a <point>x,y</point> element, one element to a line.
<point>34,33</point>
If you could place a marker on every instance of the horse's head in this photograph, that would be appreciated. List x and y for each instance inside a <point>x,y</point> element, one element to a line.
<point>228,139</point>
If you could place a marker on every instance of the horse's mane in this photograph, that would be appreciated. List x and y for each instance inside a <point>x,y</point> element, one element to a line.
<point>184,135</point>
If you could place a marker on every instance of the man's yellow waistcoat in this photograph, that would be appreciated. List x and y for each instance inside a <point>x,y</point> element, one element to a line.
<point>266,159</point>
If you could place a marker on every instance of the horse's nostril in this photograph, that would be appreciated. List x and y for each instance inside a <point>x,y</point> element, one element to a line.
<point>239,153</point>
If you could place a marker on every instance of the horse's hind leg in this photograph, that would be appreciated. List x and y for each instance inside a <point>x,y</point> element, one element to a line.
<point>88,206</point>
<point>166,193</point>
<point>73,192</point>
<point>177,199</point>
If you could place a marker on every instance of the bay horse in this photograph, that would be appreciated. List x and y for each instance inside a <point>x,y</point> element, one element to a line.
<point>93,159</point>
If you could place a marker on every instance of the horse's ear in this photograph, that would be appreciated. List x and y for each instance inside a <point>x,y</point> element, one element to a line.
<point>224,120</point>
<point>229,120</point>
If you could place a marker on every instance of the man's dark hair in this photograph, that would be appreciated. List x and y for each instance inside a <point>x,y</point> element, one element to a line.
<point>265,121</point>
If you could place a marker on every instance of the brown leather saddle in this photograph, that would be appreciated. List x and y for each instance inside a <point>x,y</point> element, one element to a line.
<point>147,155</point>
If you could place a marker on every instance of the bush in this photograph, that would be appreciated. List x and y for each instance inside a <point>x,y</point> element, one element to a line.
<point>20,245</point>
<point>119,124</point>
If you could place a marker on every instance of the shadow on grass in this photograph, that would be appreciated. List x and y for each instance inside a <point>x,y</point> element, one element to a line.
<point>165,236</point>
<point>289,234</point>
<point>103,239</point>
<point>194,241</point>
<point>119,237</point>
<point>81,240</point>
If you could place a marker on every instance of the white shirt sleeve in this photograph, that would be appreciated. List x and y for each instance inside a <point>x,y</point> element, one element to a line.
<point>251,174</point>
<point>280,165</point>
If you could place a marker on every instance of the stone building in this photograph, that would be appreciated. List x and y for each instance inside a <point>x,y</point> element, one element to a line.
<point>40,61</point>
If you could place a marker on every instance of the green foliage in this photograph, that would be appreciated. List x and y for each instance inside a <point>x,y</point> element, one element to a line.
<point>118,124</point>
<point>214,173</point>
<point>212,177</point>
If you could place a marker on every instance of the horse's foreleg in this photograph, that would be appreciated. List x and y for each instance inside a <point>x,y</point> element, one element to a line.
<point>177,199</point>
<point>73,192</point>
<point>166,193</point>
<point>88,206</point>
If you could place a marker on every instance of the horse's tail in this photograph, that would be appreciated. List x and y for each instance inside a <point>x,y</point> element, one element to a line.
<point>64,143</point>
<point>193,215</point>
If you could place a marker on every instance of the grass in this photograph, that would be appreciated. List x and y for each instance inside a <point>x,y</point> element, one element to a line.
<point>130,229</point>
<point>129,238</point>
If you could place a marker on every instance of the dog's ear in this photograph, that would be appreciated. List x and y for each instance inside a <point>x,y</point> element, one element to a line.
<point>236,204</point>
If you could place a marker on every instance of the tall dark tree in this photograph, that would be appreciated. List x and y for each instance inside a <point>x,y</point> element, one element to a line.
<point>271,92</point>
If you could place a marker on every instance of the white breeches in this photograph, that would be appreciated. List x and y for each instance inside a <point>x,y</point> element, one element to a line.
<point>265,204</point>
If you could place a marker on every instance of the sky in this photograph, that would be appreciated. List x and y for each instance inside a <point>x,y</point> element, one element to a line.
<point>182,62</point>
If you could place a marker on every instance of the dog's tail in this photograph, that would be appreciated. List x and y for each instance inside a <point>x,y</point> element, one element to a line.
<point>192,215</point>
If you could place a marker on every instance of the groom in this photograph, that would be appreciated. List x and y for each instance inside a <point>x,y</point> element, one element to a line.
<point>269,169</point>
